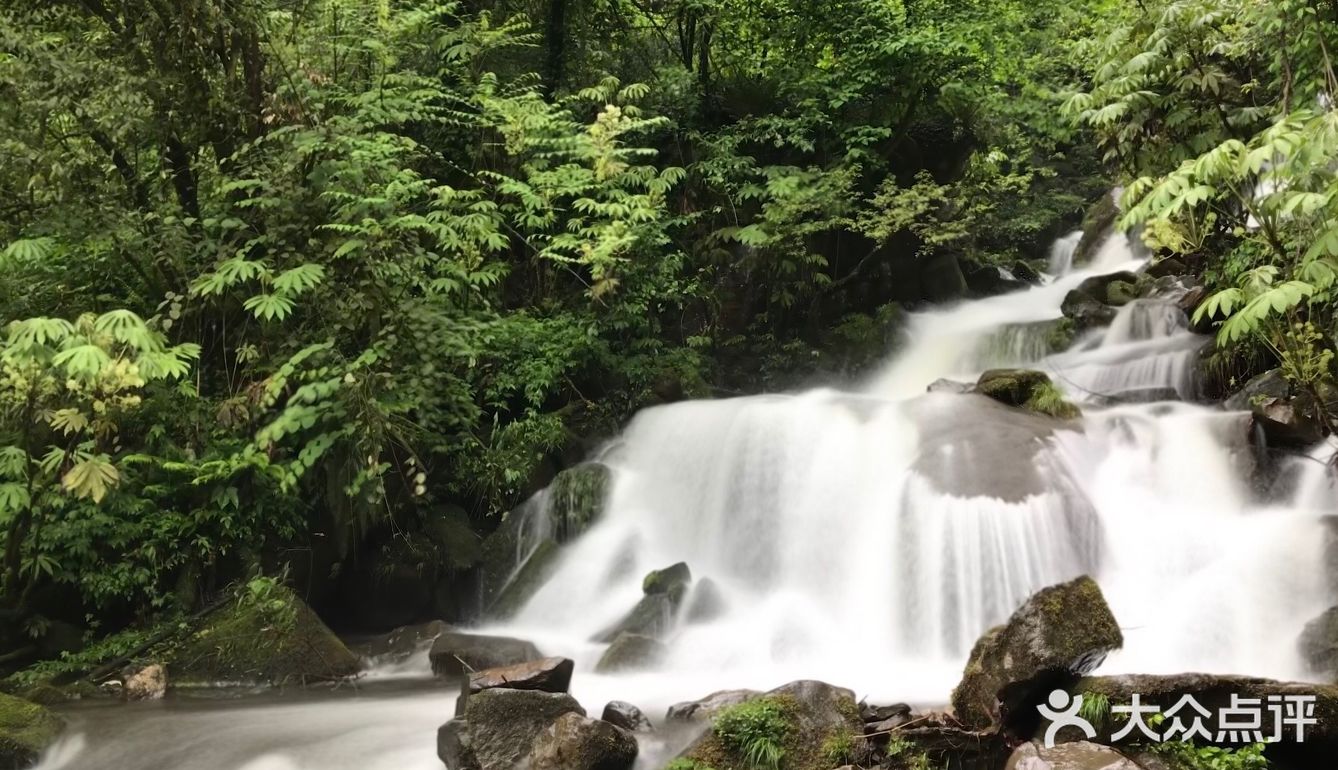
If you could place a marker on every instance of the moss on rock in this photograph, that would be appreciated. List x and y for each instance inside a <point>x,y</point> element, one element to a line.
<point>802,719</point>
<point>26,730</point>
<point>272,638</point>
<point>1027,389</point>
<point>1058,634</point>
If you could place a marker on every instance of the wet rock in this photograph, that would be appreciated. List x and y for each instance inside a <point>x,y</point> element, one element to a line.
<point>26,730</point>
<point>402,642</point>
<point>1167,266</point>
<point>1068,756</point>
<point>627,716</point>
<point>1319,645</point>
<point>654,615</point>
<point>1028,389</point>
<point>941,278</point>
<point>147,683</point>
<point>879,713</point>
<point>517,558</point>
<point>545,674</point>
<point>1025,272</point>
<point>1057,635</point>
<point>1214,693</point>
<point>1136,396</point>
<point>989,281</point>
<point>576,499</point>
<point>1287,416</point>
<point>667,580</point>
<point>574,742</point>
<point>706,708</point>
<point>630,652</point>
<point>705,602</point>
<point>816,716</point>
<point>1120,293</point>
<point>274,640</point>
<point>1085,311</point>
<point>949,386</point>
<point>454,653</point>
<point>1098,286</point>
<point>499,727</point>
<point>1097,226</point>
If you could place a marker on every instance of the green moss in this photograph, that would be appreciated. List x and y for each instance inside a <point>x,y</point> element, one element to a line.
<point>576,499</point>
<point>26,729</point>
<point>1062,335</point>
<point>667,580</point>
<point>839,748</point>
<point>1047,399</point>
<point>266,636</point>
<point>684,763</point>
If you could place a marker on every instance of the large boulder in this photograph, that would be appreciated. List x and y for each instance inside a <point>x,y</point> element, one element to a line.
<point>806,721</point>
<point>1288,417</point>
<point>630,652</point>
<point>145,683</point>
<point>941,278</point>
<point>1319,645</point>
<point>272,639</point>
<point>1098,226</point>
<point>545,674</point>
<point>1027,389</point>
<point>575,742</point>
<point>654,615</point>
<point>1057,635</point>
<point>1098,286</point>
<point>26,730</point>
<point>499,727</point>
<point>990,280</point>
<point>453,653</point>
<point>627,716</point>
<point>1215,693</point>
<point>1085,311</point>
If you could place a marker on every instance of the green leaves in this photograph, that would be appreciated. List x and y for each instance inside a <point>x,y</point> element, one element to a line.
<point>299,279</point>
<point>269,307</point>
<point>91,478</point>
<point>82,362</point>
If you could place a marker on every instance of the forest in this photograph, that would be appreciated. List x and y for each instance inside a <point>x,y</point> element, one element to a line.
<point>312,293</point>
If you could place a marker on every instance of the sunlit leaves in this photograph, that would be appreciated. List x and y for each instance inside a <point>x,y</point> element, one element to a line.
<point>91,478</point>
<point>83,362</point>
<point>269,307</point>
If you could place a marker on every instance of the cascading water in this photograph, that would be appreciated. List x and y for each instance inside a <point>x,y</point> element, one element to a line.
<point>867,537</point>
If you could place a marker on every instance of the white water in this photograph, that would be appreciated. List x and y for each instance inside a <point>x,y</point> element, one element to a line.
<point>867,537</point>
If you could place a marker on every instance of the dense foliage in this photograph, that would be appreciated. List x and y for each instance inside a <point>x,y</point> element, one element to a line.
<point>290,275</point>
<point>1220,115</point>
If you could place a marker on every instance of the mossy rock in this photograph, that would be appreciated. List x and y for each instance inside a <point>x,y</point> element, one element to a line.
<point>1059,634</point>
<point>805,718</point>
<point>26,730</point>
<point>271,639</point>
<point>662,581</point>
<point>1097,225</point>
<point>1120,293</point>
<point>1027,389</point>
<point>576,499</point>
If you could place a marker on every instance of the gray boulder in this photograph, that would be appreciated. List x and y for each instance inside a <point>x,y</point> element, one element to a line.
<point>627,716</point>
<point>1288,417</point>
<point>454,653</point>
<point>1319,644</point>
<point>706,708</point>
<point>499,727</point>
<point>574,742</point>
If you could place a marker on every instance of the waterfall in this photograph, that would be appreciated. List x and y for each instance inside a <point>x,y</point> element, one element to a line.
<point>1061,253</point>
<point>868,537</point>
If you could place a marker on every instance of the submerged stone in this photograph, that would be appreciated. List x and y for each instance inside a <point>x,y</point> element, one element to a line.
<point>630,652</point>
<point>1027,389</point>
